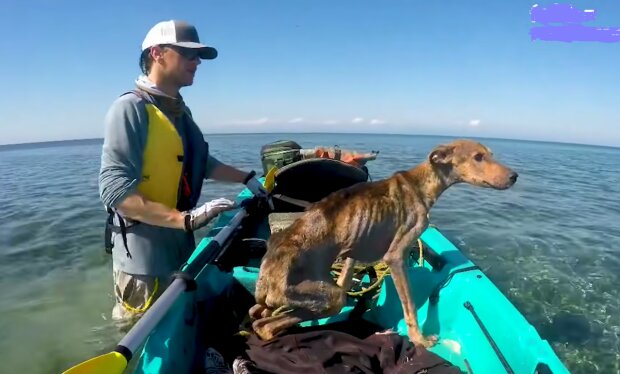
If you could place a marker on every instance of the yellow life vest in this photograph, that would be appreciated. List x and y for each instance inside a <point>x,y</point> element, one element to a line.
<point>162,160</point>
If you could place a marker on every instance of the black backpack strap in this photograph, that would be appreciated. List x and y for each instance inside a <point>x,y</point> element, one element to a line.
<point>110,227</point>
<point>124,234</point>
<point>108,232</point>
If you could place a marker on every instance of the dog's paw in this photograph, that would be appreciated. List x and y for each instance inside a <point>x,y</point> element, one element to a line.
<point>428,341</point>
<point>255,312</point>
<point>419,340</point>
<point>263,330</point>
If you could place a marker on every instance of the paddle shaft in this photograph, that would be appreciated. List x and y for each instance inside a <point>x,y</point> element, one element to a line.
<point>499,354</point>
<point>138,333</point>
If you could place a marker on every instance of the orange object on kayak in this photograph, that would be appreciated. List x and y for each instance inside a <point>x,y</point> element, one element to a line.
<point>346,156</point>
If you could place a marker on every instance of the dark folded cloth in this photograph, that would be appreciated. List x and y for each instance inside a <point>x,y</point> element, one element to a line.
<point>359,350</point>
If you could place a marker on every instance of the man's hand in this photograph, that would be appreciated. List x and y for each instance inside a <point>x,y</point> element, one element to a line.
<point>257,188</point>
<point>199,217</point>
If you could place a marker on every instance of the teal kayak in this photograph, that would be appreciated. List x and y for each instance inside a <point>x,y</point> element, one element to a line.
<point>479,329</point>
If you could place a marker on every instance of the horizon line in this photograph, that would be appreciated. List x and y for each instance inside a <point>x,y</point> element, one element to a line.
<point>42,142</point>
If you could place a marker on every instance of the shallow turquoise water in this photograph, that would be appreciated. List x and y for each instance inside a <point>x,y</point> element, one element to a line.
<point>551,243</point>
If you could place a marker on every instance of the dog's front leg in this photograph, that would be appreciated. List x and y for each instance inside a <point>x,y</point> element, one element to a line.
<point>396,259</point>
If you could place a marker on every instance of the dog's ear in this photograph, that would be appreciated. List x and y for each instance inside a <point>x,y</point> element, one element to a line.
<point>442,154</point>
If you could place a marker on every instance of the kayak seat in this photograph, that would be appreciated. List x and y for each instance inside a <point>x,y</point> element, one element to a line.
<point>246,276</point>
<point>280,221</point>
<point>304,182</point>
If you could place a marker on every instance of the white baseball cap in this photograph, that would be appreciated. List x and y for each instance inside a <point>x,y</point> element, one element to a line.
<point>177,33</point>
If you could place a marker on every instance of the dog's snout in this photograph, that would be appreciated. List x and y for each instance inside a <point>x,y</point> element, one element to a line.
<point>513,176</point>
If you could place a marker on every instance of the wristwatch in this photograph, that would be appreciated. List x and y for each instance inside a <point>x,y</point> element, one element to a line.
<point>188,220</point>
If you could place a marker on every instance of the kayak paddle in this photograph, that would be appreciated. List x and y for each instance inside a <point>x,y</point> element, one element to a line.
<point>116,362</point>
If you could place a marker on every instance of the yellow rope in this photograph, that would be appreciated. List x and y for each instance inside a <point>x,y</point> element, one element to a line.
<point>281,310</point>
<point>381,268</point>
<point>147,303</point>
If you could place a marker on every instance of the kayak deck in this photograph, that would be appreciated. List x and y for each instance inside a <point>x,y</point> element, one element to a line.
<point>462,341</point>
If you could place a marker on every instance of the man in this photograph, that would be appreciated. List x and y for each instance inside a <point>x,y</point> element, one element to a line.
<point>153,164</point>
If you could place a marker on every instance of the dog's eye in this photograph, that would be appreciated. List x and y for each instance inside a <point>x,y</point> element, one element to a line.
<point>478,157</point>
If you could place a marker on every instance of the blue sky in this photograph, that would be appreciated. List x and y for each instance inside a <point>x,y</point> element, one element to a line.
<point>459,68</point>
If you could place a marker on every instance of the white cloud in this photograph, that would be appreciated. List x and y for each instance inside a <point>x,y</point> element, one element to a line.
<point>257,121</point>
<point>474,123</point>
<point>331,122</point>
<point>357,120</point>
<point>376,121</point>
<point>296,120</point>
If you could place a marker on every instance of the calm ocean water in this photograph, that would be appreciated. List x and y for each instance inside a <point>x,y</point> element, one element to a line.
<point>551,243</point>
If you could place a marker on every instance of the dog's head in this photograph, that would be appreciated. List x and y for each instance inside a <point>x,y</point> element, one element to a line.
<point>471,162</point>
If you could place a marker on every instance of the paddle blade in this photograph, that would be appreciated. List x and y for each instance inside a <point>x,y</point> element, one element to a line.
<point>270,179</point>
<point>109,363</point>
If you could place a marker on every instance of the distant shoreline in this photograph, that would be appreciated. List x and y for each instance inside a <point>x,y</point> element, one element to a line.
<point>84,141</point>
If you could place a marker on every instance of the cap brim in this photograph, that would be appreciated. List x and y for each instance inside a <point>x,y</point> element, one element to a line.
<point>206,52</point>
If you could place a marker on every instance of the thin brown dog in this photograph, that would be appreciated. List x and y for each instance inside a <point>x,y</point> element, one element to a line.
<point>366,222</point>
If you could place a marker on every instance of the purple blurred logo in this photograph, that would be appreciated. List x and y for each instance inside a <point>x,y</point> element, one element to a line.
<point>562,23</point>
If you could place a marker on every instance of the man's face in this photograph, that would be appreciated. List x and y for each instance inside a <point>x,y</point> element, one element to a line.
<point>177,64</point>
